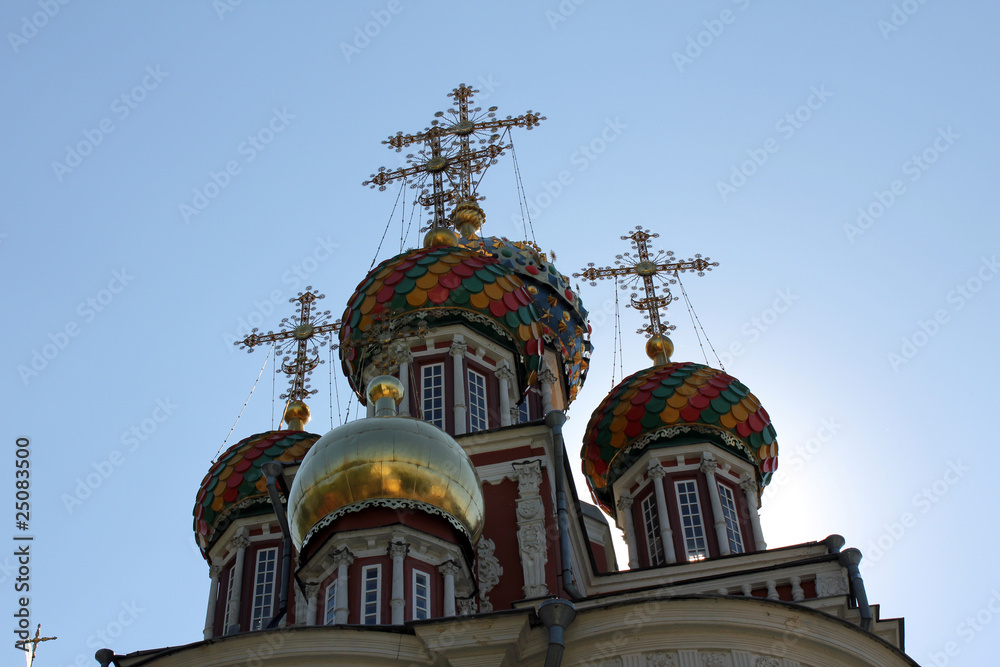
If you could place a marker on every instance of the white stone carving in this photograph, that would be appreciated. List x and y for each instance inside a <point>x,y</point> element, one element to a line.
<point>489,571</point>
<point>466,606</point>
<point>662,659</point>
<point>714,660</point>
<point>531,536</point>
<point>830,585</point>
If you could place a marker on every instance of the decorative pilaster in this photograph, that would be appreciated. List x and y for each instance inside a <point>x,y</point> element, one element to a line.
<point>657,472</point>
<point>625,507</point>
<point>301,607</point>
<point>448,571</point>
<point>504,379</point>
<point>531,527</point>
<point>213,597</point>
<point>240,543</point>
<point>457,352</point>
<point>749,487</point>
<point>708,467</point>
<point>397,551</point>
<point>547,378</point>
<point>312,602</point>
<point>342,558</point>
<point>489,572</point>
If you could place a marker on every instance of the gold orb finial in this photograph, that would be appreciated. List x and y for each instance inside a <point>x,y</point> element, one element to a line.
<point>296,415</point>
<point>440,236</point>
<point>385,392</point>
<point>659,348</point>
<point>468,218</point>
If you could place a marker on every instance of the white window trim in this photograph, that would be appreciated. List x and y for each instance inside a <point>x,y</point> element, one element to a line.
<point>424,399</point>
<point>230,587</point>
<point>330,610</point>
<point>257,622</point>
<point>474,379</point>
<point>692,553</point>
<point>651,526</point>
<point>427,586</point>
<point>733,532</point>
<point>378,594</point>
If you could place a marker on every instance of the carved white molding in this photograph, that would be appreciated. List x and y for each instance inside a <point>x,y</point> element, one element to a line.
<point>531,536</point>
<point>668,659</point>
<point>714,660</point>
<point>466,606</point>
<point>830,585</point>
<point>489,571</point>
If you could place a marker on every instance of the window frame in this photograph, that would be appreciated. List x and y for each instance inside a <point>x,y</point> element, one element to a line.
<point>730,512</point>
<point>414,609</point>
<point>655,551</point>
<point>690,533</point>
<point>228,622</point>
<point>363,608</point>
<point>266,609</point>
<point>426,413</point>
<point>330,608</point>
<point>475,381</point>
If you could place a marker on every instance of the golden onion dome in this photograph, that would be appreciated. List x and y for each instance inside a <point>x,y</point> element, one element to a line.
<point>385,461</point>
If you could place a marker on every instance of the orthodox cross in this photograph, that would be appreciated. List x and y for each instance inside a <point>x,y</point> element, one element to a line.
<point>383,344</point>
<point>34,644</point>
<point>448,152</point>
<point>301,335</point>
<point>648,269</point>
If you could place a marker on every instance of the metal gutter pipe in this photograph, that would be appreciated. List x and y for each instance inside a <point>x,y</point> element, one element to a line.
<point>555,420</point>
<point>556,615</point>
<point>850,559</point>
<point>273,472</point>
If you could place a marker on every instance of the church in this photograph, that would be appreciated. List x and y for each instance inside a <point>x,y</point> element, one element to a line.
<point>444,527</point>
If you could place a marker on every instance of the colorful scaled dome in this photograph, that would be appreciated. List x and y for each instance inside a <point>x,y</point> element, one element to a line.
<point>673,403</point>
<point>441,285</point>
<point>559,307</point>
<point>235,483</point>
<point>385,461</point>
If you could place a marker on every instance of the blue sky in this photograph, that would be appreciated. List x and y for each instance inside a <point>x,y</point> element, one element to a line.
<point>836,159</point>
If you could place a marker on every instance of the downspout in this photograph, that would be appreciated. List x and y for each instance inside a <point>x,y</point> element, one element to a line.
<point>555,420</point>
<point>850,559</point>
<point>556,615</point>
<point>272,474</point>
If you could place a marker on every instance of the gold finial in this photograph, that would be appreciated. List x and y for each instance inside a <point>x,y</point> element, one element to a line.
<point>385,392</point>
<point>448,153</point>
<point>302,335</point>
<point>440,236</point>
<point>648,269</point>
<point>468,218</point>
<point>296,415</point>
<point>659,348</point>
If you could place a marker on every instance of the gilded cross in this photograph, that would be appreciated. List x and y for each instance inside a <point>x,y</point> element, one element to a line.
<point>30,653</point>
<point>648,269</point>
<point>302,336</point>
<point>383,345</point>
<point>455,148</point>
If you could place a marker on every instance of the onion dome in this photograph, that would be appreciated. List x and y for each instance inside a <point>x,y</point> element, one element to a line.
<point>436,286</point>
<point>235,484</point>
<point>664,405</point>
<point>385,461</point>
<point>561,311</point>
